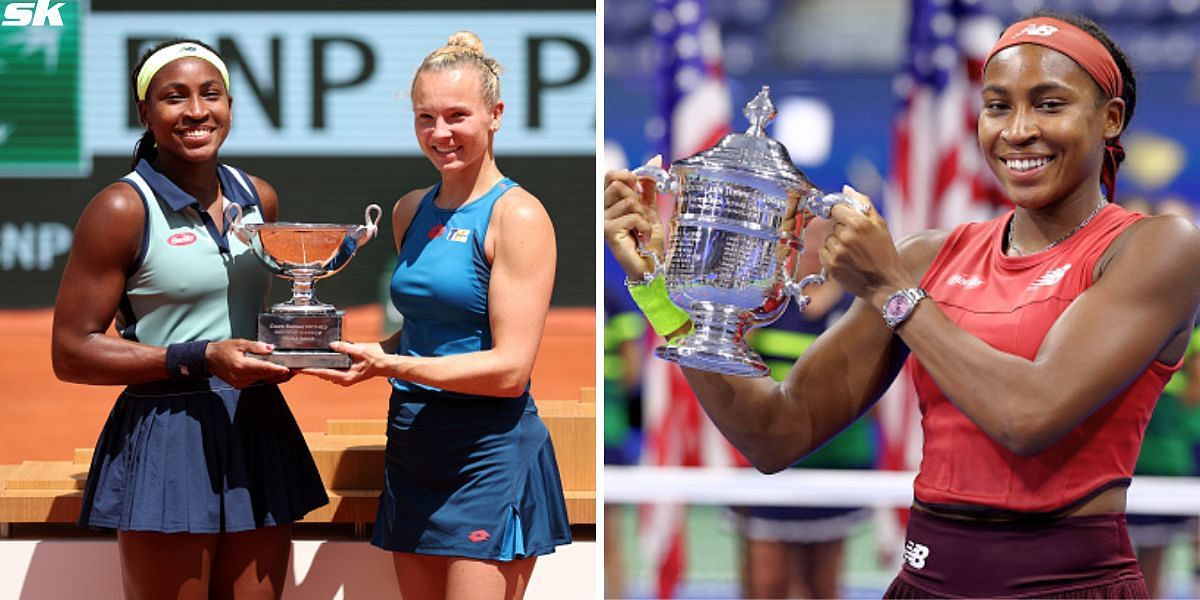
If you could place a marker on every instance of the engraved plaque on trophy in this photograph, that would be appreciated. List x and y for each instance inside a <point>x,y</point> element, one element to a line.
<point>302,328</point>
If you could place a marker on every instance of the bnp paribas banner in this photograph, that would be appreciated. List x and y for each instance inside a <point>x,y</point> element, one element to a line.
<point>41,124</point>
<point>304,83</point>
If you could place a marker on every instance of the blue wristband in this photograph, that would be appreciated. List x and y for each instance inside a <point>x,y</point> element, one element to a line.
<point>185,360</point>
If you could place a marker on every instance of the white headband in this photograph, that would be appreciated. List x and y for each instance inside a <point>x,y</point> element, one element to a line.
<point>159,59</point>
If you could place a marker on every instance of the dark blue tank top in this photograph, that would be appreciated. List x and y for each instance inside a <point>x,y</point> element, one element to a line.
<point>440,284</point>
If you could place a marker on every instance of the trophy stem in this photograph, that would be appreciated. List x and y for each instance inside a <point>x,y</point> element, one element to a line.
<point>303,299</point>
<point>716,343</point>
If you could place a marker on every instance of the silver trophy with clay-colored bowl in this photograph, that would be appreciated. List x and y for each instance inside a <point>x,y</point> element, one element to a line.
<point>302,328</point>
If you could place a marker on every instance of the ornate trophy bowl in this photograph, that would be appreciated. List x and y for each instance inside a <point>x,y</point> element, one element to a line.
<point>733,242</point>
<point>302,328</point>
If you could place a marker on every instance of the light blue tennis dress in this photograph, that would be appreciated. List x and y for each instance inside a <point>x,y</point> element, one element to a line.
<point>197,455</point>
<point>466,475</point>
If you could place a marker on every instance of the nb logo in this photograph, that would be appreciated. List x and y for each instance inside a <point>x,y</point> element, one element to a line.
<point>32,14</point>
<point>1051,277</point>
<point>1038,30</point>
<point>915,554</point>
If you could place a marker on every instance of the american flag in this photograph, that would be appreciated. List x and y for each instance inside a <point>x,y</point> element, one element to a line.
<point>694,109</point>
<point>938,175</point>
<point>694,112</point>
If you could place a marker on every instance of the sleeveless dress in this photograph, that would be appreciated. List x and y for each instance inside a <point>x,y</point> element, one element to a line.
<point>1021,545</point>
<point>196,456</point>
<point>466,475</point>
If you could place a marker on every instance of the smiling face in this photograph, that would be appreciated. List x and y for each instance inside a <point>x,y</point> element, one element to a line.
<point>1043,125</point>
<point>188,109</point>
<point>453,123</point>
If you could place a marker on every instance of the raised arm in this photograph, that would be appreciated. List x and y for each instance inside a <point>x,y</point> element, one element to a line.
<point>831,385</point>
<point>1140,309</point>
<point>840,376</point>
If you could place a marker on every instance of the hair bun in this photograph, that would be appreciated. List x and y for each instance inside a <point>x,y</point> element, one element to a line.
<point>467,40</point>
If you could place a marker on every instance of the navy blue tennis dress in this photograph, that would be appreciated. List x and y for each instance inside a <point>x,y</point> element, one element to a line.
<point>466,475</point>
<point>196,456</point>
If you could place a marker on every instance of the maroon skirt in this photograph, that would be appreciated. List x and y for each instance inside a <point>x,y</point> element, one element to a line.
<point>1076,557</point>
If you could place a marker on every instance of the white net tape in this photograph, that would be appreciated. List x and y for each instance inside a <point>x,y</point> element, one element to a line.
<point>813,487</point>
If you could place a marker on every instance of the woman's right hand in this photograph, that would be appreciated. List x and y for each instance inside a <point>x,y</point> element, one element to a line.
<point>227,359</point>
<point>630,214</point>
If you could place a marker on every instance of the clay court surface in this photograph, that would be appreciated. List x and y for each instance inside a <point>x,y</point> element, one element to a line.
<point>42,418</point>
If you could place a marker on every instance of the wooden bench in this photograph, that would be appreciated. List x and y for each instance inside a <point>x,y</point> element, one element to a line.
<point>349,455</point>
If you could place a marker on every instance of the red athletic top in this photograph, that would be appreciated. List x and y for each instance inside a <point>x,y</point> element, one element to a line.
<point>1011,303</point>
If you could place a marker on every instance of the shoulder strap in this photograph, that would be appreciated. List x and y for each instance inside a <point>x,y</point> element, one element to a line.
<point>244,180</point>
<point>145,193</point>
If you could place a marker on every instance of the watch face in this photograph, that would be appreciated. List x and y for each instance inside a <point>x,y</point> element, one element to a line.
<point>897,306</point>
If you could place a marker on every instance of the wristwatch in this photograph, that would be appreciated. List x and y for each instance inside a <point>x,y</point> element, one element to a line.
<point>900,305</point>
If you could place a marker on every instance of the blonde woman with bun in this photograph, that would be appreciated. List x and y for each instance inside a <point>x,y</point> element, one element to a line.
<point>472,494</point>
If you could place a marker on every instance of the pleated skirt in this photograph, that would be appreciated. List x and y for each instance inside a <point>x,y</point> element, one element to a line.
<point>474,478</point>
<point>200,457</point>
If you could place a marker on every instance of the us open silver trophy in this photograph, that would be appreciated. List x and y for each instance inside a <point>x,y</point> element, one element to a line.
<point>734,241</point>
<point>302,328</point>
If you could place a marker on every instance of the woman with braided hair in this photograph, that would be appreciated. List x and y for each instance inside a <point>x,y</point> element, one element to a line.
<point>1039,340</point>
<point>472,494</point>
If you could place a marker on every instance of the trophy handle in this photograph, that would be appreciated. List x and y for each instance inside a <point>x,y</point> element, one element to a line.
<point>820,205</point>
<point>372,223</point>
<point>233,220</point>
<point>796,288</point>
<point>666,183</point>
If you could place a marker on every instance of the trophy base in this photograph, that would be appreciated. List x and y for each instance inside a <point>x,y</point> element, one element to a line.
<point>302,341</point>
<point>728,360</point>
<point>716,343</point>
<point>306,359</point>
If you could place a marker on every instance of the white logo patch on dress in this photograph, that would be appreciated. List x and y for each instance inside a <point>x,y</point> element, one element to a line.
<point>458,235</point>
<point>182,239</point>
<point>1050,277</point>
<point>969,282</point>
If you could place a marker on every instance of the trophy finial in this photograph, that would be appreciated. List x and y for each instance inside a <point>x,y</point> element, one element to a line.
<point>759,112</point>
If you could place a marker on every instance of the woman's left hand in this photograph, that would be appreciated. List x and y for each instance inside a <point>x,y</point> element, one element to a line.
<point>369,360</point>
<point>859,252</point>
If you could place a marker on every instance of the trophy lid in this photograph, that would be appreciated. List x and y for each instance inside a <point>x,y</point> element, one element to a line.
<point>751,156</point>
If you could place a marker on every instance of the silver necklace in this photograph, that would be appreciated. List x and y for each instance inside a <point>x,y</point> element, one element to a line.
<point>1013,247</point>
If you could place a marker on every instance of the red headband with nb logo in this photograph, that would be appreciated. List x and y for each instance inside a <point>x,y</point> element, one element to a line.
<point>1089,54</point>
<point>1064,37</point>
